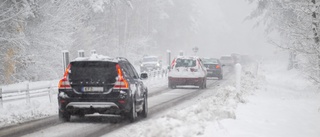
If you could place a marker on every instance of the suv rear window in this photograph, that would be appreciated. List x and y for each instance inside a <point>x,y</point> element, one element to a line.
<point>226,58</point>
<point>185,62</point>
<point>150,59</point>
<point>210,61</point>
<point>93,71</point>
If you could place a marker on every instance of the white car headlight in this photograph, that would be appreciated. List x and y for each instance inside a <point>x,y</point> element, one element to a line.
<point>158,64</point>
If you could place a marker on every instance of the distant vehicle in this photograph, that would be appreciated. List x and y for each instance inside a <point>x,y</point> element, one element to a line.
<point>150,63</point>
<point>227,60</point>
<point>104,85</point>
<point>236,57</point>
<point>214,67</point>
<point>187,71</point>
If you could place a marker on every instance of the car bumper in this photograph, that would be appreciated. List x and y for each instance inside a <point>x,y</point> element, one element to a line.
<point>214,73</point>
<point>89,106</point>
<point>185,81</point>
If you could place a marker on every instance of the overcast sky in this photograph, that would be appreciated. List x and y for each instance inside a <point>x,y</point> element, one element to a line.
<point>223,30</point>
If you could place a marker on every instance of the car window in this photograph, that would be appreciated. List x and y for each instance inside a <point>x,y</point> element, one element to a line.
<point>94,71</point>
<point>150,59</point>
<point>125,69</point>
<point>210,61</point>
<point>226,58</point>
<point>134,72</point>
<point>185,62</point>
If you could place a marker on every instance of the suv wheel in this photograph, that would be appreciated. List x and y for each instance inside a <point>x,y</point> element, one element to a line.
<point>205,84</point>
<point>170,85</point>
<point>220,77</point>
<point>64,116</point>
<point>133,114</point>
<point>144,112</point>
<point>173,87</point>
<point>201,86</point>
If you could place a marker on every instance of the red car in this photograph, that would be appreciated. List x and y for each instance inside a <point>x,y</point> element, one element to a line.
<point>187,71</point>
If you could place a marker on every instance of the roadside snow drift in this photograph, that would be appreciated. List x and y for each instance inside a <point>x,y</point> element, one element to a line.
<point>195,116</point>
<point>287,105</point>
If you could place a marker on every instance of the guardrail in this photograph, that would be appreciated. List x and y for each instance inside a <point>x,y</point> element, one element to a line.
<point>28,90</point>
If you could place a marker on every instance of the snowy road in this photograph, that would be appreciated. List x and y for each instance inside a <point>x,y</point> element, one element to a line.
<point>98,125</point>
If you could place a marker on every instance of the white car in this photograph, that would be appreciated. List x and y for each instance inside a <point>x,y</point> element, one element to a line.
<point>187,71</point>
<point>150,63</point>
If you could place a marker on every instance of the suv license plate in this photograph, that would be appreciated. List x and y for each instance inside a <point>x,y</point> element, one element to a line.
<point>92,89</point>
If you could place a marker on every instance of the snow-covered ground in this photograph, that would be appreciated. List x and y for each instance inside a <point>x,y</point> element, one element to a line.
<point>14,112</point>
<point>274,103</point>
<point>285,105</point>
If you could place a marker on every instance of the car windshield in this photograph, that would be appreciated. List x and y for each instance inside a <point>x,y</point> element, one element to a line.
<point>150,59</point>
<point>93,71</point>
<point>210,61</point>
<point>185,62</point>
<point>226,58</point>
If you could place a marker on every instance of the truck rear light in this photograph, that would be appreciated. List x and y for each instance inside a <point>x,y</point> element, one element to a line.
<point>121,83</point>
<point>64,82</point>
<point>218,66</point>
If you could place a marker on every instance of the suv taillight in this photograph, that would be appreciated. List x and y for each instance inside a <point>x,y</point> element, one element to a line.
<point>121,83</point>
<point>64,82</point>
<point>218,66</point>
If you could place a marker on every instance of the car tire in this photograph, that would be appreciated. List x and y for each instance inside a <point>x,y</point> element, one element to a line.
<point>201,85</point>
<point>173,86</point>
<point>205,81</point>
<point>170,85</point>
<point>64,116</point>
<point>144,112</point>
<point>132,115</point>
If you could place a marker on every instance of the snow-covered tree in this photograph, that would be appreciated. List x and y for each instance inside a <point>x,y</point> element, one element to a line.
<point>298,23</point>
<point>34,32</point>
<point>12,39</point>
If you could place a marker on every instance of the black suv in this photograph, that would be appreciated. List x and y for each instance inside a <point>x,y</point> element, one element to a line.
<point>102,85</point>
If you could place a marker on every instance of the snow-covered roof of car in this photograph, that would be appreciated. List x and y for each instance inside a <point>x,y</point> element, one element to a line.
<point>96,57</point>
<point>150,57</point>
<point>187,57</point>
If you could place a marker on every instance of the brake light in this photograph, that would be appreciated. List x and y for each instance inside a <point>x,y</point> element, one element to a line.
<point>64,82</point>
<point>172,64</point>
<point>218,66</point>
<point>121,83</point>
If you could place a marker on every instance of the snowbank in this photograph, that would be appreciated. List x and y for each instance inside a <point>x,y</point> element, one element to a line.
<point>15,112</point>
<point>286,106</point>
<point>194,120</point>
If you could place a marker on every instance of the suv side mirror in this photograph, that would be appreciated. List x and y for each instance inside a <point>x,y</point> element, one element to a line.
<point>144,75</point>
